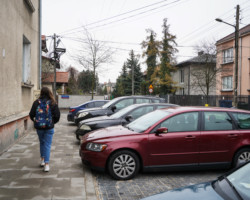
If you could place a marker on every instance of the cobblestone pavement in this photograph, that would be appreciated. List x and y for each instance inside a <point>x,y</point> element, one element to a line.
<point>147,184</point>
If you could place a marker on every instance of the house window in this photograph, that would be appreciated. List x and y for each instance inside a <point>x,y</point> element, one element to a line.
<point>227,83</point>
<point>26,60</point>
<point>228,55</point>
<point>182,75</point>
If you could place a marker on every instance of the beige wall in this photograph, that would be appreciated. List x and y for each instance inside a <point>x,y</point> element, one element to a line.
<point>17,21</point>
<point>243,66</point>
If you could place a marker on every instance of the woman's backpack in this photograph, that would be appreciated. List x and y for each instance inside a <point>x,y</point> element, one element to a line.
<point>43,118</point>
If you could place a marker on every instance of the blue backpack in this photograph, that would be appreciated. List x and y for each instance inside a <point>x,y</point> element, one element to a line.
<point>43,117</point>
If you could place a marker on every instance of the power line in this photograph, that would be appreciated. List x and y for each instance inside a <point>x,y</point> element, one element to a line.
<point>116,16</point>
<point>122,19</point>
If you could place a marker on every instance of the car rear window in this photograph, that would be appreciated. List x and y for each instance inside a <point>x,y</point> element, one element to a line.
<point>243,120</point>
<point>217,121</point>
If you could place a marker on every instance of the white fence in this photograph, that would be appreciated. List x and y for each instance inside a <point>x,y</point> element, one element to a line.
<point>66,101</point>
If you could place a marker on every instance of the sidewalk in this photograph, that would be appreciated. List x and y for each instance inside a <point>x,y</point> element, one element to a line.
<point>21,177</point>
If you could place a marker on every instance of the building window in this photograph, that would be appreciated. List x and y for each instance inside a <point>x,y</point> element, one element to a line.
<point>26,60</point>
<point>182,75</point>
<point>228,55</point>
<point>227,83</point>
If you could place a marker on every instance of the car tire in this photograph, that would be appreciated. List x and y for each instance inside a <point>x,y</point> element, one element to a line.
<point>123,165</point>
<point>241,157</point>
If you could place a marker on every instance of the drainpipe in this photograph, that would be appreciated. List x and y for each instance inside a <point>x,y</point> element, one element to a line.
<point>40,44</point>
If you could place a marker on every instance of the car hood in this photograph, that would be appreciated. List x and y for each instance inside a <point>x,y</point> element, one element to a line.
<point>202,191</point>
<point>91,109</point>
<point>95,119</point>
<point>113,131</point>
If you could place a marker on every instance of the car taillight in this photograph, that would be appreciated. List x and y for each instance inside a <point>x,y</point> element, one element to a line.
<point>72,110</point>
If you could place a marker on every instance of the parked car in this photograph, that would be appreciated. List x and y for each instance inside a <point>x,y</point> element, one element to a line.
<point>115,105</point>
<point>234,185</point>
<point>86,105</point>
<point>121,117</point>
<point>174,138</point>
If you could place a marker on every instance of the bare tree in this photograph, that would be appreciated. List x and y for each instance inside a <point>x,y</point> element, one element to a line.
<point>92,54</point>
<point>205,72</point>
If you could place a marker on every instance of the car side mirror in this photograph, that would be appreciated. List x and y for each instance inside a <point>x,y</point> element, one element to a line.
<point>128,118</point>
<point>161,130</point>
<point>113,108</point>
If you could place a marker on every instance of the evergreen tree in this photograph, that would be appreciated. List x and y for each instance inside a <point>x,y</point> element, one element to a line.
<point>124,81</point>
<point>84,81</point>
<point>152,50</point>
<point>72,83</point>
<point>134,70</point>
<point>167,65</point>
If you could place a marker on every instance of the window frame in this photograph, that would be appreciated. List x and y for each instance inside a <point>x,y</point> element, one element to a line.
<point>228,113</point>
<point>26,61</point>
<point>228,55</point>
<point>223,83</point>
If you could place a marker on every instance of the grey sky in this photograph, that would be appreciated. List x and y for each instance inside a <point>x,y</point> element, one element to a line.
<point>192,21</point>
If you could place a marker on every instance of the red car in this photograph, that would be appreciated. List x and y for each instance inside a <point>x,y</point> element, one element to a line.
<point>177,138</point>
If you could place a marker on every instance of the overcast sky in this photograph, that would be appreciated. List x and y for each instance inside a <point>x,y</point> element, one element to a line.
<point>123,24</point>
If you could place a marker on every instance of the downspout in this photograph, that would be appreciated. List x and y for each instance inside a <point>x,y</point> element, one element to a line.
<point>40,44</point>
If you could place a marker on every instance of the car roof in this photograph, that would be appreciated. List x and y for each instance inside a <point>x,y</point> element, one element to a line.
<point>201,108</point>
<point>151,104</point>
<point>139,96</point>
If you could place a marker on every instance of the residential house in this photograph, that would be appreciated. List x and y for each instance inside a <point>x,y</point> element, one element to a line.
<point>226,61</point>
<point>20,66</point>
<point>62,79</point>
<point>191,75</point>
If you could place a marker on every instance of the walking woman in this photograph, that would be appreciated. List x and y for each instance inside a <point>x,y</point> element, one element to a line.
<point>45,113</point>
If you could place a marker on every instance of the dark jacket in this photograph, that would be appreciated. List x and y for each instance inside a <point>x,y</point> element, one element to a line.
<point>55,112</point>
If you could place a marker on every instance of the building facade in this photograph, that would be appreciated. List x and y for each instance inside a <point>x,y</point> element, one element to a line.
<point>226,61</point>
<point>192,74</point>
<point>20,66</point>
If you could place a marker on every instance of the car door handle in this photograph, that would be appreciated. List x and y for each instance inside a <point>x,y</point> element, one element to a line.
<point>190,137</point>
<point>233,135</point>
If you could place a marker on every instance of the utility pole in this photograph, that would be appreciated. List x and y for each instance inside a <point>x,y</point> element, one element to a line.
<point>236,47</point>
<point>133,78</point>
<point>236,56</point>
<point>55,56</point>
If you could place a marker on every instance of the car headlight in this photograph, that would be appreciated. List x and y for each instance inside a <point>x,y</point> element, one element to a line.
<point>96,147</point>
<point>83,114</point>
<point>85,127</point>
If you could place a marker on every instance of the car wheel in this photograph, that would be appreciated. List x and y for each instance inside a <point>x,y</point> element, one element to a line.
<point>241,157</point>
<point>123,165</point>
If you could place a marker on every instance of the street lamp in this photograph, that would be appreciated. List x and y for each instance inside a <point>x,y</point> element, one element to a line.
<point>236,38</point>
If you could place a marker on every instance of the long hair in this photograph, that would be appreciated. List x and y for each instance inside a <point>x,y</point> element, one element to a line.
<point>47,94</point>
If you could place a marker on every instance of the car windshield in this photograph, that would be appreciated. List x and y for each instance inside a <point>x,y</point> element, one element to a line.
<point>110,103</point>
<point>122,112</point>
<point>143,123</point>
<point>240,180</point>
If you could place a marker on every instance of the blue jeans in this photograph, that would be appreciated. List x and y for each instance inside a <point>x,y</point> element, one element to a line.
<point>45,138</point>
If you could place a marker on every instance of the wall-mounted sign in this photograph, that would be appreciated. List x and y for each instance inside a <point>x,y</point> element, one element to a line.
<point>65,96</point>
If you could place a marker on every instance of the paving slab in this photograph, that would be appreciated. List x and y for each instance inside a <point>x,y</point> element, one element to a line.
<point>22,178</point>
